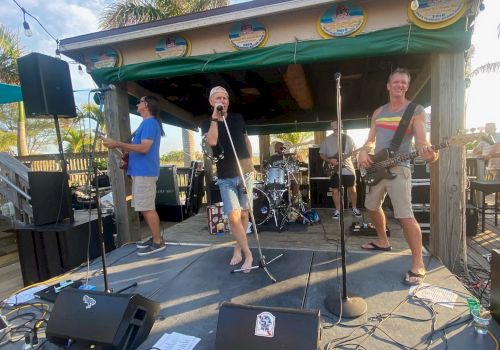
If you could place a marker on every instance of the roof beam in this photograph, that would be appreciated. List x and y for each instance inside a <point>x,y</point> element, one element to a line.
<point>138,91</point>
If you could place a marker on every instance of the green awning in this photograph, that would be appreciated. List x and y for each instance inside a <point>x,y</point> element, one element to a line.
<point>395,41</point>
<point>10,93</point>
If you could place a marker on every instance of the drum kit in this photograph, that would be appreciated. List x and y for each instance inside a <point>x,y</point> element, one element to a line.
<point>273,198</point>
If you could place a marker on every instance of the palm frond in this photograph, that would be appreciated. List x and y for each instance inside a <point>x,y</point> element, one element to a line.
<point>9,53</point>
<point>486,68</point>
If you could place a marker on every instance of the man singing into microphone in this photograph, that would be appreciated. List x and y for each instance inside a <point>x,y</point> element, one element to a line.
<point>236,204</point>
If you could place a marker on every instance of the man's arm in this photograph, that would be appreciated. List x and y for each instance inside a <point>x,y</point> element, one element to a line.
<point>364,160</point>
<point>142,147</point>
<point>423,145</point>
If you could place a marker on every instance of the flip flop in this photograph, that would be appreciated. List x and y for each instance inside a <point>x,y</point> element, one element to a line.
<point>377,247</point>
<point>419,278</point>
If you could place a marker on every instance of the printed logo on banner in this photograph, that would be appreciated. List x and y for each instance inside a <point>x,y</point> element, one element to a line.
<point>264,324</point>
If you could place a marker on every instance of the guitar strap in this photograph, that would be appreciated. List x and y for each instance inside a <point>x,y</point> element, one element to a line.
<point>403,125</point>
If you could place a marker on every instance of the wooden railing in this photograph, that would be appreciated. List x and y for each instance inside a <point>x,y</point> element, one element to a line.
<point>77,164</point>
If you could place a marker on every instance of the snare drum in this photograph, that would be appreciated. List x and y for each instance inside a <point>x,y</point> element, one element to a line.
<point>275,178</point>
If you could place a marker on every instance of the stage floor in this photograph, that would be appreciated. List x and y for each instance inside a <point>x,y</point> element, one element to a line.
<point>190,282</point>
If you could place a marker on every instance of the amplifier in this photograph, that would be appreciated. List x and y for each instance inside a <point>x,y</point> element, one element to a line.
<point>422,214</point>
<point>420,191</point>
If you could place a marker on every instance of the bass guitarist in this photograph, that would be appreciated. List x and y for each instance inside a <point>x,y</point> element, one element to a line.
<point>328,151</point>
<point>384,125</point>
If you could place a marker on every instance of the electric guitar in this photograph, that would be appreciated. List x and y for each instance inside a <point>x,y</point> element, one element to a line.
<point>330,169</point>
<point>385,159</point>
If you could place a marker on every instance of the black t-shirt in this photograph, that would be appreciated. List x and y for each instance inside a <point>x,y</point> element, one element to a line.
<point>227,167</point>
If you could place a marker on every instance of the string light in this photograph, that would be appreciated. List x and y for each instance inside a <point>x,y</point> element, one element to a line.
<point>26,26</point>
<point>414,5</point>
<point>80,69</point>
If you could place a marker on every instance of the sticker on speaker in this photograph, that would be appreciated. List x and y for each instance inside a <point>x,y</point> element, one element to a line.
<point>264,324</point>
<point>89,302</point>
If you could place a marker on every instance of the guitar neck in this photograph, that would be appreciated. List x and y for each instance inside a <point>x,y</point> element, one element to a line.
<point>407,156</point>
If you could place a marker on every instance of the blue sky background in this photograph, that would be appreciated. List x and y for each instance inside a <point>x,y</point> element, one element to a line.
<point>68,18</point>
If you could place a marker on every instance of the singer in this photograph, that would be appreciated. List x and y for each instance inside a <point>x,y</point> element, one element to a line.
<point>144,169</point>
<point>236,205</point>
<point>385,122</point>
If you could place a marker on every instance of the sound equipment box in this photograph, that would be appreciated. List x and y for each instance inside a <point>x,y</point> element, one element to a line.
<point>315,163</point>
<point>46,86</point>
<point>50,197</point>
<point>167,188</point>
<point>471,220</point>
<point>495,284</point>
<point>320,193</point>
<point>420,191</point>
<point>245,327</point>
<point>100,319</point>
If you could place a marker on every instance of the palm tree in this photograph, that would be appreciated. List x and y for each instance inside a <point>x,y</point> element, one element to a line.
<point>9,53</point>
<point>77,141</point>
<point>485,68</point>
<point>127,12</point>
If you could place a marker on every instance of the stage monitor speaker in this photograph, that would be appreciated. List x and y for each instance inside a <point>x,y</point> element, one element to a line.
<point>167,188</point>
<point>495,284</point>
<point>100,319</point>
<point>50,197</point>
<point>46,86</point>
<point>315,163</point>
<point>245,327</point>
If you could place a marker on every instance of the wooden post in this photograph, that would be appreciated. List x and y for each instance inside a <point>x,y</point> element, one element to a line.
<point>118,128</point>
<point>448,175</point>
<point>264,152</point>
<point>319,136</point>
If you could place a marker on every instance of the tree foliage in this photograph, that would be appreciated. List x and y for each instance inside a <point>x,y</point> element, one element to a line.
<point>128,12</point>
<point>9,53</point>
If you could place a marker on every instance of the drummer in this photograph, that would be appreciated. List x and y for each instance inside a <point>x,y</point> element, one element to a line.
<point>279,159</point>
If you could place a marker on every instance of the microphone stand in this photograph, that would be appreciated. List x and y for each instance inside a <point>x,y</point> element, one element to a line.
<point>262,259</point>
<point>340,304</point>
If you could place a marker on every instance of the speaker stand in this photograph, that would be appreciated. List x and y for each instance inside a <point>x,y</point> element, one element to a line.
<point>64,166</point>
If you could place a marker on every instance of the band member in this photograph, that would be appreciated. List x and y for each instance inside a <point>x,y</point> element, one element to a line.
<point>144,169</point>
<point>488,148</point>
<point>385,121</point>
<point>279,159</point>
<point>236,204</point>
<point>328,151</point>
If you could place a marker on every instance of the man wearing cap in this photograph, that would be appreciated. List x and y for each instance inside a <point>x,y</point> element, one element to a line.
<point>236,204</point>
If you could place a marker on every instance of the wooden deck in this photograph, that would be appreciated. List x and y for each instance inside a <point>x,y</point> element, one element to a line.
<point>322,237</point>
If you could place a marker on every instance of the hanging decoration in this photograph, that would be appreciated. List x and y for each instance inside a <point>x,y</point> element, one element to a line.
<point>342,19</point>
<point>173,46</point>
<point>248,35</point>
<point>435,14</point>
<point>103,57</point>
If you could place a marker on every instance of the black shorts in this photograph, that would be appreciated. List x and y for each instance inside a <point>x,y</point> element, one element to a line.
<point>347,181</point>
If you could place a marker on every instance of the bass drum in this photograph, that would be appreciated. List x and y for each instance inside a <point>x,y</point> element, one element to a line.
<point>261,206</point>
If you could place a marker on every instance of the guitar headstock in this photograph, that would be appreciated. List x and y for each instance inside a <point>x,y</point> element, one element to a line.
<point>463,139</point>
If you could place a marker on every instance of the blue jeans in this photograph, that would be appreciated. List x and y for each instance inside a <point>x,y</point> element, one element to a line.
<point>231,192</point>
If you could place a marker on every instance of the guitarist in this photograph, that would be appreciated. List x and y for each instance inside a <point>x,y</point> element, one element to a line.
<point>385,122</point>
<point>144,168</point>
<point>328,151</point>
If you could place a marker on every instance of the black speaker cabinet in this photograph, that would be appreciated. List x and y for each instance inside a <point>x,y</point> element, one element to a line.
<point>267,328</point>
<point>420,191</point>
<point>167,188</point>
<point>471,220</point>
<point>320,188</point>
<point>495,284</point>
<point>46,86</point>
<point>315,163</point>
<point>50,197</point>
<point>108,321</point>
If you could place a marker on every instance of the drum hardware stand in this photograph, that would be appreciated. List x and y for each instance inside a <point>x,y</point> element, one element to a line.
<point>341,304</point>
<point>262,259</point>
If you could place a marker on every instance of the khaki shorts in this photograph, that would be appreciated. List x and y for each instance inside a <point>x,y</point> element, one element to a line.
<point>399,190</point>
<point>143,192</point>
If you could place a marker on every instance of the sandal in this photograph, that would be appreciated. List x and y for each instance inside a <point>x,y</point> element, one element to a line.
<point>418,278</point>
<point>373,246</point>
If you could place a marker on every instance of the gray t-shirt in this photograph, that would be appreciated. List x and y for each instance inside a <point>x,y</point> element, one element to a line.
<point>329,148</point>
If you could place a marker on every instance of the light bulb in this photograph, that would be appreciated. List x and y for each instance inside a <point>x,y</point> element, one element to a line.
<point>414,5</point>
<point>58,53</point>
<point>27,29</point>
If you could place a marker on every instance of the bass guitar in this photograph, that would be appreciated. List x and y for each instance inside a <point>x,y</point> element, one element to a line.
<point>385,159</point>
<point>330,169</point>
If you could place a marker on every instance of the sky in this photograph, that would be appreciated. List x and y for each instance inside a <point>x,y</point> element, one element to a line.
<point>68,18</point>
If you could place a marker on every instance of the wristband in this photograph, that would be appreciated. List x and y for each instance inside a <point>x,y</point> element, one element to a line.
<point>214,120</point>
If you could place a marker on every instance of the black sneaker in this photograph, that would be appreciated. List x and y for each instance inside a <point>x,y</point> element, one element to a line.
<point>336,214</point>
<point>144,244</point>
<point>151,249</point>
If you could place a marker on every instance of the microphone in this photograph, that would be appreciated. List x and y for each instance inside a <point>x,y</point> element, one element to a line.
<point>337,76</point>
<point>109,88</point>
<point>220,109</point>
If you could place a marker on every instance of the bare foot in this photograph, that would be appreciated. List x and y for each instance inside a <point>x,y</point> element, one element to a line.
<point>236,259</point>
<point>247,265</point>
